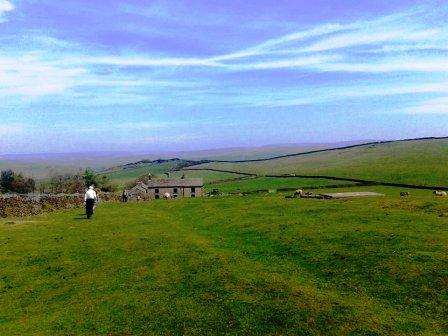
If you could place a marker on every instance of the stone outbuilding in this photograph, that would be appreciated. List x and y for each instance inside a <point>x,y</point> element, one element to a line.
<point>137,192</point>
<point>177,188</point>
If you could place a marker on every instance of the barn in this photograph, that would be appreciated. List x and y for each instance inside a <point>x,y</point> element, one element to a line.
<point>177,188</point>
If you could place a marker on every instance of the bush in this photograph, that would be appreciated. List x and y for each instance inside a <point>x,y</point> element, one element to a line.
<point>67,184</point>
<point>101,182</point>
<point>12,182</point>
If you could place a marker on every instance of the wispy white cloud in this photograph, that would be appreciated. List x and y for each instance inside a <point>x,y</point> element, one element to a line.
<point>267,46</point>
<point>29,76</point>
<point>5,7</point>
<point>129,126</point>
<point>323,95</point>
<point>123,127</point>
<point>431,106</point>
<point>377,46</point>
<point>402,48</point>
<point>343,41</point>
<point>428,64</point>
<point>169,139</point>
<point>300,62</point>
<point>362,37</point>
<point>152,61</point>
<point>158,125</point>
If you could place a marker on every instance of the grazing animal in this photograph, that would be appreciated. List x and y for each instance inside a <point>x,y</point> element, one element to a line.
<point>439,193</point>
<point>166,196</point>
<point>298,193</point>
<point>404,193</point>
<point>311,195</point>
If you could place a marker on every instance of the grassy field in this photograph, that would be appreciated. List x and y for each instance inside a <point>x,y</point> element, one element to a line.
<point>254,265</point>
<point>122,176</point>
<point>411,162</point>
<point>266,183</point>
<point>209,177</point>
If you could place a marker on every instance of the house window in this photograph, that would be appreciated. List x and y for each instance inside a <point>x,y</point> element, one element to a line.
<point>156,191</point>
<point>175,191</point>
<point>193,189</point>
<point>156,196</point>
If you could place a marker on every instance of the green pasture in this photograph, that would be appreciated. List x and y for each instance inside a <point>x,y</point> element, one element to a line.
<point>252,184</point>
<point>122,175</point>
<point>209,177</point>
<point>252,265</point>
<point>410,162</point>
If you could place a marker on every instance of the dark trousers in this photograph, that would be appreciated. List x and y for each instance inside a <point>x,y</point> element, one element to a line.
<point>89,207</point>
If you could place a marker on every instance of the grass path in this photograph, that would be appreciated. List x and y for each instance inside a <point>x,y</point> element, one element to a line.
<point>252,265</point>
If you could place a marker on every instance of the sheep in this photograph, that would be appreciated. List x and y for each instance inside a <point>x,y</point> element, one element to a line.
<point>298,193</point>
<point>404,193</point>
<point>166,196</point>
<point>439,193</point>
<point>311,195</point>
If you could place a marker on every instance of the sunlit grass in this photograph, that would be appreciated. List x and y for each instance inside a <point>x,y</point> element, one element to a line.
<point>255,265</point>
<point>413,162</point>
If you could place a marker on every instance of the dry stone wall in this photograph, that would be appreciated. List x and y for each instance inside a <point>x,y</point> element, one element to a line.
<point>27,205</point>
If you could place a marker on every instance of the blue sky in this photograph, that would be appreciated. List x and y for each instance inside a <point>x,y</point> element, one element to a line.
<point>160,76</point>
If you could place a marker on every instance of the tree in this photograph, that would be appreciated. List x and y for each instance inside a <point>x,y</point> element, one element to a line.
<point>6,179</point>
<point>23,185</point>
<point>101,182</point>
<point>10,181</point>
<point>66,183</point>
<point>106,185</point>
<point>90,178</point>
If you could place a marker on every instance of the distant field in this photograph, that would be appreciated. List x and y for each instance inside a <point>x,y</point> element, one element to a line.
<point>261,152</point>
<point>209,177</point>
<point>122,176</point>
<point>412,162</point>
<point>253,265</point>
<point>41,166</point>
<point>266,183</point>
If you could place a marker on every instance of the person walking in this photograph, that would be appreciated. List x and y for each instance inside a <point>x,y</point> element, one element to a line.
<point>124,196</point>
<point>89,199</point>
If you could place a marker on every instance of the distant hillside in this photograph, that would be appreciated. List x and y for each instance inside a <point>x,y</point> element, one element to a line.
<point>421,162</point>
<point>130,171</point>
<point>41,166</point>
<point>251,153</point>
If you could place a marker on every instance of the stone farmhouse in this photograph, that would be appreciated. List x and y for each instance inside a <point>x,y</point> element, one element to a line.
<point>177,188</point>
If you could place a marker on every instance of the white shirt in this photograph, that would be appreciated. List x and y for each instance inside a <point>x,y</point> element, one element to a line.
<point>90,194</point>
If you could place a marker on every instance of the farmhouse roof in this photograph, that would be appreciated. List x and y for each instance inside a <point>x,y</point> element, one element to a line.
<point>187,182</point>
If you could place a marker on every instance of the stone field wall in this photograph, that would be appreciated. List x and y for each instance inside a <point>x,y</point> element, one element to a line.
<point>27,205</point>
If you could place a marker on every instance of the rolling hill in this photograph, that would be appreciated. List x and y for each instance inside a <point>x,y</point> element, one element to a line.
<point>420,162</point>
<point>43,165</point>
